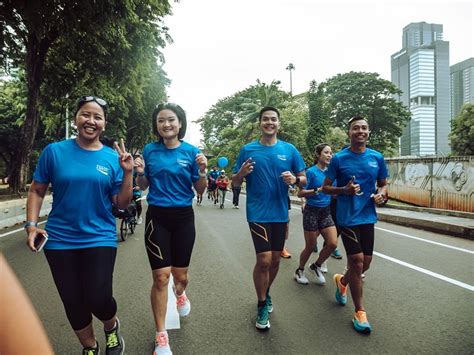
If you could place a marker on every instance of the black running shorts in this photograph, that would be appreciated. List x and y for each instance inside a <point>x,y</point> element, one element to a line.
<point>169,236</point>
<point>358,239</point>
<point>316,218</point>
<point>268,236</point>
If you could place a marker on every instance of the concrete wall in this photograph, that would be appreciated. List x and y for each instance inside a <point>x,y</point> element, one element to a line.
<point>14,211</point>
<point>446,183</point>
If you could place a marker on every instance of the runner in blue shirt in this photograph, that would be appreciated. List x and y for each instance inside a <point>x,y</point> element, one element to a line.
<point>317,217</point>
<point>170,168</point>
<point>87,177</point>
<point>361,176</point>
<point>269,166</point>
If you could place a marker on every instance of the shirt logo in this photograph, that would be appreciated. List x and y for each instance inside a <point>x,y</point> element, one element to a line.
<point>182,162</point>
<point>102,169</point>
<point>373,164</point>
<point>281,157</point>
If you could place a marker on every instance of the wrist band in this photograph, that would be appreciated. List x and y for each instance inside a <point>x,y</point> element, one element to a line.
<point>30,223</point>
<point>140,174</point>
<point>202,174</point>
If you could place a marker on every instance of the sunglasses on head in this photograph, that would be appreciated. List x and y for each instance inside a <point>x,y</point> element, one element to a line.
<point>356,118</point>
<point>98,100</point>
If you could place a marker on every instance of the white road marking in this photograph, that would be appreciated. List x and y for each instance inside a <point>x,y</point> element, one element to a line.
<point>17,230</point>
<point>425,240</point>
<point>172,315</point>
<point>427,272</point>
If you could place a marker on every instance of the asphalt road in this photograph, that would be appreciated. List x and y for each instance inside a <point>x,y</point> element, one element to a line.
<point>419,295</point>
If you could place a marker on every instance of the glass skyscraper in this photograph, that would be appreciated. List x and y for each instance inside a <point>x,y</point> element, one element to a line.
<point>462,85</point>
<point>421,70</point>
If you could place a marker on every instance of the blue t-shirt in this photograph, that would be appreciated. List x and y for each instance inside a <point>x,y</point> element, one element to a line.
<point>171,173</point>
<point>214,174</point>
<point>315,178</point>
<point>367,167</point>
<point>267,194</point>
<point>83,182</point>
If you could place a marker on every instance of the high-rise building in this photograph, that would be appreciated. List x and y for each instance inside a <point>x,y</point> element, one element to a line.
<point>421,70</point>
<point>462,85</point>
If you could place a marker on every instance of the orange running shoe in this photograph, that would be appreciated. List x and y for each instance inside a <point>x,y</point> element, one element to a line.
<point>341,290</point>
<point>285,253</point>
<point>360,322</point>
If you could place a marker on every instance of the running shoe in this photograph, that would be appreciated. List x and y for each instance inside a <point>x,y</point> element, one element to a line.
<point>285,253</point>
<point>162,345</point>
<point>324,267</point>
<point>360,322</point>
<point>263,319</point>
<point>269,302</point>
<point>91,351</point>
<point>318,274</point>
<point>139,220</point>
<point>336,254</point>
<point>300,277</point>
<point>115,344</point>
<point>341,290</point>
<point>182,303</point>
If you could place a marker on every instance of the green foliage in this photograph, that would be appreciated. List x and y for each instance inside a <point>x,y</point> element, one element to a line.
<point>318,117</point>
<point>359,93</point>
<point>233,121</point>
<point>73,48</point>
<point>462,134</point>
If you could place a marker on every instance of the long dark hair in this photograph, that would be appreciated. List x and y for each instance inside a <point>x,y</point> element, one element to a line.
<point>179,113</point>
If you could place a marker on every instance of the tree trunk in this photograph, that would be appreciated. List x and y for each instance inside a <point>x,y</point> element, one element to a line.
<point>35,57</point>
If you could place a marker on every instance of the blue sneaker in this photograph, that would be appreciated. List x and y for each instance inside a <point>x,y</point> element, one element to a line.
<point>360,322</point>
<point>341,290</point>
<point>263,319</point>
<point>269,302</point>
<point>336,254</point>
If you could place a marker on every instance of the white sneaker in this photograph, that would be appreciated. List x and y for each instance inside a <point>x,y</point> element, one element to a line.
<point>139,220</point>
<point>320,280</point>
<point>182,303</point>
<point>162,345</point>
<point>300,277</point>
<point>324,267</point>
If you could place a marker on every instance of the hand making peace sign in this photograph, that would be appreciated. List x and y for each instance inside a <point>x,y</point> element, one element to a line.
<point>125,158</point>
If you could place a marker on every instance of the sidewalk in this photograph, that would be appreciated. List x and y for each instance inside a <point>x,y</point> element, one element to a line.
<point>458,224</point>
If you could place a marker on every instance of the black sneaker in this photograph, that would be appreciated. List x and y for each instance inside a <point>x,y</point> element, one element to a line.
<point>91,351</point>
<point>115,344</point>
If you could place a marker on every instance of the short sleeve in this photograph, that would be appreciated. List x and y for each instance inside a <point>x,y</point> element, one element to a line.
<point>331,172</point>
<point>44,169</point>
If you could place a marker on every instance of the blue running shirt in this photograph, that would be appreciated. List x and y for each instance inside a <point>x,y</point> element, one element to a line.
<point>171,174</point>
<point>367,167</point>
<point>83,183</point>
<point>314,179</point>
<point>267,194</point>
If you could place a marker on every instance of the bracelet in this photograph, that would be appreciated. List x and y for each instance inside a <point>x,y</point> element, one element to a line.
<point>202,174</point>
<point>30,224</point>
<point>140,174</point>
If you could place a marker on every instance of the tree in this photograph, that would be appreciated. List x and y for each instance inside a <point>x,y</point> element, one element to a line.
<point>359,93</point>
<point>102,34</point>
<point>318,117</point>
<point>462,134</point>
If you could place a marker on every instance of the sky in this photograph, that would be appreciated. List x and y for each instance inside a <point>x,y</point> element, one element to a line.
<point>223,46</point>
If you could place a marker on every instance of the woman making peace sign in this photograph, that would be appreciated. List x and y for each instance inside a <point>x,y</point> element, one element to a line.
<point>87,177</point>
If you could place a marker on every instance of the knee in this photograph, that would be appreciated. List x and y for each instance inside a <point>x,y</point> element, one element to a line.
<point>263,265</point>
<point>357,263</point>
<point>331,245</point>
<point>161,280</point>
<point>181,277</point>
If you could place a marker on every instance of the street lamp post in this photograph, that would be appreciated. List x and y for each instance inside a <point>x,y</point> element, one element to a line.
<point>291,67</point>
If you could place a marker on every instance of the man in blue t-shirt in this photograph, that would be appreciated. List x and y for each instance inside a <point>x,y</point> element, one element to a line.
<point>360,174</point>
<point>269,166</point>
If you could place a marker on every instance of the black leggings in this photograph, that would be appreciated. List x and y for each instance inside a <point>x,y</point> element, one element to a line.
<point>83,278</point>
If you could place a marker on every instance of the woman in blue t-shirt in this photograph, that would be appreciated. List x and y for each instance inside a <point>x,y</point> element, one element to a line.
<point>317,217</point>
<point>170,168</point>
<point>87,177</point>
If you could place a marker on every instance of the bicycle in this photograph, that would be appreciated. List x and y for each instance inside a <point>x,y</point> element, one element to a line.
<point>129,219</point>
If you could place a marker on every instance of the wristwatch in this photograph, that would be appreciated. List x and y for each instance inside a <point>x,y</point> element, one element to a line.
<point>29,224</point>
<point>297,181</point>
<point>140,174</point>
